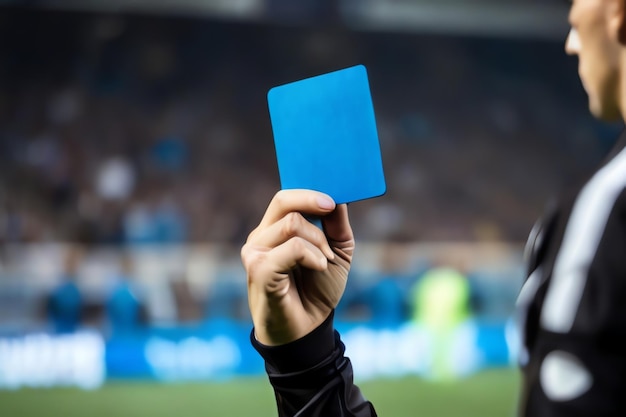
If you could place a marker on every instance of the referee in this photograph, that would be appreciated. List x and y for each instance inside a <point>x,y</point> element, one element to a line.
<point>572,307</point>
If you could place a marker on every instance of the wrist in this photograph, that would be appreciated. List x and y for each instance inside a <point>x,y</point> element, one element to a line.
<point>277,328</point>
<point>279,331</point>
<point>301,353</point>
<point>273,337</point>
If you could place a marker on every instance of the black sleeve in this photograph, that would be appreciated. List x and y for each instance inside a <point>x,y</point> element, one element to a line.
<point>311,376</point>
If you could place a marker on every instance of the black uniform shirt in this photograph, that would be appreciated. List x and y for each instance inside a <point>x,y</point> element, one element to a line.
<point>572,307</point>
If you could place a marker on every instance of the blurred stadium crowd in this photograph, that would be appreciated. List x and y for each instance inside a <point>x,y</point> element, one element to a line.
<point>127,131</point>
<point>134,130</point>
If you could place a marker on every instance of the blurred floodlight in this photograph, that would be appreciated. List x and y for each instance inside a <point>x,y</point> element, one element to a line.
<point>221,8</point>
<point>517,18</point>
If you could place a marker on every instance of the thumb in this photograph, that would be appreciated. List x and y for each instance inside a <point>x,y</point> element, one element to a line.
<point>337,225</point>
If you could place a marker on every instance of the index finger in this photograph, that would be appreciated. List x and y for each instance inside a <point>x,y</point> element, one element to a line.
<point>297,200</point>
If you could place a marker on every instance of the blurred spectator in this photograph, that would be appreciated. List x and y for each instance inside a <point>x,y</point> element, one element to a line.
<point>441,298</point>
<point>171,221</point>
<point>386,301</point>
<point>225,299</point>
<point>155,219</point>
<point>65,303</point>
<point>124,309</point>
<point>140,224</point>
<point>188,308</point>
<point>170,154</point>
<point>387,297</point>
<point>442,309</point>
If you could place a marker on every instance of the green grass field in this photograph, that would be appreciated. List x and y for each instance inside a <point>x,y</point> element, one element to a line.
<point>488,394</point>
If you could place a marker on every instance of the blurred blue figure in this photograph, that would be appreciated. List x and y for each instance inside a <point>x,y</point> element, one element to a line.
<point>140,223</point>
<point>170,221</point>
<point>387,302</point>
<point>387,297</point>
<point>123,307</point>
<point>65,303</point>
<point>170,153</point>
<point>155,219</point>
<point>225,299</point>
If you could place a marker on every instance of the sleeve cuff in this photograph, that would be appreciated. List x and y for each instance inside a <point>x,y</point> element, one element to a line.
<point>300,354</point>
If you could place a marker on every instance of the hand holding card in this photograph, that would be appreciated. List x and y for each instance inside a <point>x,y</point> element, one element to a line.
<point>325,135</point>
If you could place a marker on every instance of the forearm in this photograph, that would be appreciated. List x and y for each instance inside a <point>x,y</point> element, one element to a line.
<point>312,377</point>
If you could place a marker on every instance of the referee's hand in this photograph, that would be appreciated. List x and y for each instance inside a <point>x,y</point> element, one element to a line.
<point>297,273</point>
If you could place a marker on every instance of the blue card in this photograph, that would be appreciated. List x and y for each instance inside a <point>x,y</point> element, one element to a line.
<point>325,135</point>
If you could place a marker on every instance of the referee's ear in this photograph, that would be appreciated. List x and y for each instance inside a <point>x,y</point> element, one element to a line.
<point>617,21</point>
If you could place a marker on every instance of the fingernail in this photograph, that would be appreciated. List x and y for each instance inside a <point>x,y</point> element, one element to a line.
<point>325,203</point>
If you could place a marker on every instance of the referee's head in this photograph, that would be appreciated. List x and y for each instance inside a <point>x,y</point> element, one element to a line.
<point>598,38</point>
